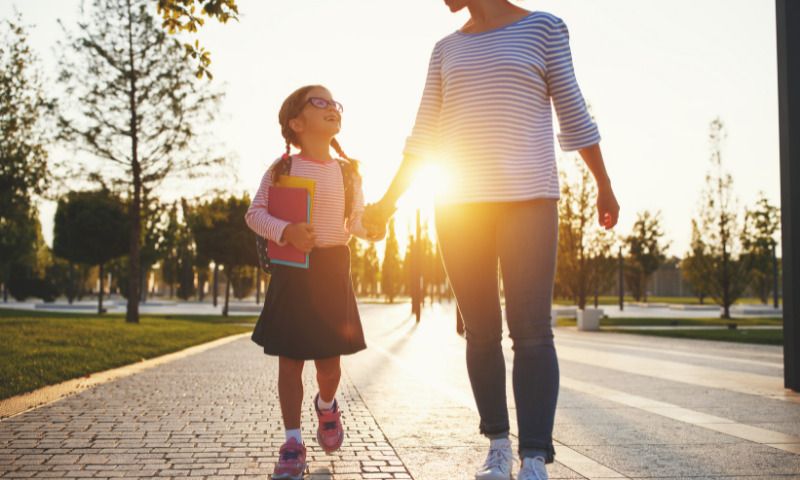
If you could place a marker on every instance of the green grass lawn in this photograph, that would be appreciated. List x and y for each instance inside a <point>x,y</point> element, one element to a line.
<point>677,322</point>
<point>765,337</point>
<point>769,337</point>
<point>43,348</point>
<point>613,300</point>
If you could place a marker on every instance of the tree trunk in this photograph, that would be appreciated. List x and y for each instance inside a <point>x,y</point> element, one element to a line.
<point>227,295</point>
<point>132,313</point>
<point>216,282</point>
<point>643,283</point>
<point>143,285</point>
<point>70,282</point>
<point>100,293</point>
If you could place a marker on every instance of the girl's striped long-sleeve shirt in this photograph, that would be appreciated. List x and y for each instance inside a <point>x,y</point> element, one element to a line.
<point>327,207</point>
<point>486,112</point>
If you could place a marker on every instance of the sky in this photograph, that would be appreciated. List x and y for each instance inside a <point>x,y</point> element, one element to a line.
<point>656,73</point>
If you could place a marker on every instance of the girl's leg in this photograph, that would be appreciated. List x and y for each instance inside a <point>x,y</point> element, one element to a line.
<point>329,372</point>
<point>469,251</point>
<point>290,391</point>
<point>330,432</point>
<point>527,237</point>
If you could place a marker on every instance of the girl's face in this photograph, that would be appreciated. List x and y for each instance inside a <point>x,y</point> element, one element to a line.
<point>319,117</point>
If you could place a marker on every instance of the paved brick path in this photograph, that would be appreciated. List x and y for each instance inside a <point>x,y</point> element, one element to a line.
<point>213,415</point>
<point>629,407</point>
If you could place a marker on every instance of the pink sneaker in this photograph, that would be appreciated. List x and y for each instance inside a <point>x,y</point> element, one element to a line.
<point>330,433</point>
<point>291,461</point>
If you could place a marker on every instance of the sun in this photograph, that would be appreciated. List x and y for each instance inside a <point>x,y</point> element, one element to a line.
<point>430,183</point>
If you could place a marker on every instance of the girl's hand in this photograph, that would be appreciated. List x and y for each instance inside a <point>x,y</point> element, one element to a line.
<point>301,236</point>
<point>375,233</point>
<point>375,217</point>
<point>607,206</point>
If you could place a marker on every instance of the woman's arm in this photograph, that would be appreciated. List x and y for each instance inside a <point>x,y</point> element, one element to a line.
<point>607,206</point>
<point>422,141</point>
<point>578,129</point>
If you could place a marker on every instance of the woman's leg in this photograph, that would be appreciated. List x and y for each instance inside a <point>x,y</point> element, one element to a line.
<point>527,237</point>
<point>290,391</point>
<point>329,372</point>
<point>466,236</point>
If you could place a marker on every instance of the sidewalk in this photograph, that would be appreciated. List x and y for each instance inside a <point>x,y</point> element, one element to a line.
<point>629,407</point>
<point>213,415</point>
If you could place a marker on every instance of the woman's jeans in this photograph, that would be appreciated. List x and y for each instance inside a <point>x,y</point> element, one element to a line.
<point>524,236</point>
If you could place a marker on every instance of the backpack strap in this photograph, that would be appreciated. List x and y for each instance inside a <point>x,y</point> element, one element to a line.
<point>347,179</point>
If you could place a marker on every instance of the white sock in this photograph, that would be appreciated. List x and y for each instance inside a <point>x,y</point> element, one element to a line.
<point>294,433</point>
<point>323,405</point>
<point>502,442</point>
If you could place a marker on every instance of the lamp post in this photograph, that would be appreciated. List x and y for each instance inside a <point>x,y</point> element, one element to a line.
<point>787,15</point>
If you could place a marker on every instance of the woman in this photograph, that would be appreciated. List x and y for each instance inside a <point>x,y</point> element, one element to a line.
<point>486,114</point>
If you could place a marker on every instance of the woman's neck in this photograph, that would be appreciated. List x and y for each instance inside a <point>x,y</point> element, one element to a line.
<point>488,14</point>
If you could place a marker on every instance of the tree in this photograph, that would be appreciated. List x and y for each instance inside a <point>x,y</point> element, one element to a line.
<point>761,225</point>
<point>185,255</point>
<point>645,250</point>
<point>408,266</point>
<point>28,274</point>
<point>169,257</point>
<point>371,270</point>
<point>391,274</point>
<point>576,212</point>
<point>693,265</point>
<point>602,262</point>
<point>68,278</point>
<point>91,228</point>
<point>24,172</point>
<point>726,269</point>
<point>139,110</point>
<point>182,16</point>
<point>427,265</point>
<point>221,234</point>
<point>356,265</point>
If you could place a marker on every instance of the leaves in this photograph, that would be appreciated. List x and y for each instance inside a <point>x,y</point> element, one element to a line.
<point>179,16</point>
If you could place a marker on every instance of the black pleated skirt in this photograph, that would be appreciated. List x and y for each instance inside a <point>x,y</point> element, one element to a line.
<point>311,313</point>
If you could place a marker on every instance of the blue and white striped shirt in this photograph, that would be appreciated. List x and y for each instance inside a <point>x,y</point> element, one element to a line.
<point>485,112</point>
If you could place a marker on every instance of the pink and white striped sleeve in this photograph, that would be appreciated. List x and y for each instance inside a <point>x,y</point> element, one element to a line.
<point>258,218</point>
<point>354,224</point>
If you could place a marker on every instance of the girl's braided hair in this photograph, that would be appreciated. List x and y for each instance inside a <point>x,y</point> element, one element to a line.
<point>291,108</point>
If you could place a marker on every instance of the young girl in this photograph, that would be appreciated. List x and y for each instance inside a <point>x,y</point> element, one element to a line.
<point>311,314</point>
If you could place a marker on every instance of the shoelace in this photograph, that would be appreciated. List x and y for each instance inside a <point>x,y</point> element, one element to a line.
<point>534,468</point>
<point>497,458</point>
<point>290,455</point>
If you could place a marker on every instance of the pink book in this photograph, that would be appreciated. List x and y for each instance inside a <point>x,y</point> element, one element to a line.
<point>293,205</point>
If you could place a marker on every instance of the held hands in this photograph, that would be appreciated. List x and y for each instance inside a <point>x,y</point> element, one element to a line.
<point>375,218</point>
<point>301,236</point>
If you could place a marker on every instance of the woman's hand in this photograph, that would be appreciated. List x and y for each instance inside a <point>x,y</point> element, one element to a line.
<point>301,236</point>
<point>607,206</point>
<point>375,218</point>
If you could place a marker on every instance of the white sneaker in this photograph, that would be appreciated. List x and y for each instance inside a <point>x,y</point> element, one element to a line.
<point>498,462</point>
<point>533,469</point>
